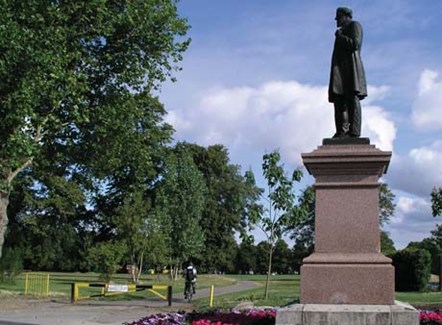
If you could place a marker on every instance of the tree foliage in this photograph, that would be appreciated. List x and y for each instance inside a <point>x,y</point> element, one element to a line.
<point>412,269</point>
<point>228,195</point>
<point>77,77</point>
<point>246,257</point>
<point>179,203</point>
<point>436,201</point>
<point>387,244</point>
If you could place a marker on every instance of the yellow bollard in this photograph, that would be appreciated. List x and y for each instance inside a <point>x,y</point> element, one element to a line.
<point>26,284</point>
<point>47,285</point>
<point>212,290</point>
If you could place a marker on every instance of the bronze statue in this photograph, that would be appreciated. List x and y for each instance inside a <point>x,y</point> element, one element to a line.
<point>347,77</point>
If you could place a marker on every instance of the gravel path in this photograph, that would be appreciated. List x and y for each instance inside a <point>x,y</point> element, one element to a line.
<point>38,312</point>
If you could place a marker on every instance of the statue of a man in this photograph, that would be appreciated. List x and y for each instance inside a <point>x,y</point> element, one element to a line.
<point>347,77</point>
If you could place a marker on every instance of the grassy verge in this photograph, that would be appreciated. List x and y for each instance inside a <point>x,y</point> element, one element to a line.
<point>60,284</point>
<point>283,289</point>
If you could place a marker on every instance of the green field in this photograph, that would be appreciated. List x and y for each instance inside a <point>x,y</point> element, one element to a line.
<point>283,289</point>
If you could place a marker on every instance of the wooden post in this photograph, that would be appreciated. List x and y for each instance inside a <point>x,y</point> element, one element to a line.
<point>169,295</point>
<point>74,292</point>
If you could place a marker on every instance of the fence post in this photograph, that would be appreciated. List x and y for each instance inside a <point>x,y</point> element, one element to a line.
<point>212,289</point>
<point>26,283</point>
<point>169,295</point>
<point>47,285</point>
<point>74,293</point>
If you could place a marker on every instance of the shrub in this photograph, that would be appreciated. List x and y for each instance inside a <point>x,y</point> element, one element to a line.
<point>106,258</point>
<point>11,264</point>
<point>412,269</point>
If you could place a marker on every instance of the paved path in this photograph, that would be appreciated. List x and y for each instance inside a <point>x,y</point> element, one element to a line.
<point>92,312</point>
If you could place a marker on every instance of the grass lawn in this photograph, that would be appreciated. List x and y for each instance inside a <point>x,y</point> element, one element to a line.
<point>283,289</point>
<point>60,284</point>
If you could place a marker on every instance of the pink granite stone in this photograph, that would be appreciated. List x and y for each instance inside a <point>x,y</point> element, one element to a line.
<point>347,266</point>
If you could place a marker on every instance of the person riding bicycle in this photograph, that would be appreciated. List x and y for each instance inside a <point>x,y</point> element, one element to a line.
<point>190,275</point>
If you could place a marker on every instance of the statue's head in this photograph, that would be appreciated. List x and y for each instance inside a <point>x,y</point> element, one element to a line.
<point>343,15</point>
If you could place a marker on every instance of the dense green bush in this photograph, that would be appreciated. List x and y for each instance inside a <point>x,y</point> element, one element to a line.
<point>11,264</point>
<point>412,269</point>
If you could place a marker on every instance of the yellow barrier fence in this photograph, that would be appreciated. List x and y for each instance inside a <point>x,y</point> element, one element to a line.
<point>212,292</point>
<point>37,284</point>
<point>117,289</point>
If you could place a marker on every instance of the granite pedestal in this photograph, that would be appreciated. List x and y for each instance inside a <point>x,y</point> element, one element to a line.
<point>324,314</point>
<point>347,268</point>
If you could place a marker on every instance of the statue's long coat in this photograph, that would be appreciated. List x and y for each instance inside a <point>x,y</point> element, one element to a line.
<point>347,76</point>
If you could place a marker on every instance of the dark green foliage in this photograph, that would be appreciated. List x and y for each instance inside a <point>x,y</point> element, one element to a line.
<point>387,244</point>
<point>386,204</point>
<point>179,205</point>
<point>262,257</point>
<point>227,198</point>
<point>436,201</point>
<point>434,248</point>
<point>281,258</point>
<point>246,258</point>
<point>106,258</point>
<point>76,94</point>
<point>412,269</point>
<point>11,264</point>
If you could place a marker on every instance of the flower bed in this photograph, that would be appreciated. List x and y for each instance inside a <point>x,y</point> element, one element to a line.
<point>254,316</point>
<point>430,317</point>
<point>248,317</point>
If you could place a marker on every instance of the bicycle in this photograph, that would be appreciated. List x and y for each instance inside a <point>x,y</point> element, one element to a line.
<point>188,291</point>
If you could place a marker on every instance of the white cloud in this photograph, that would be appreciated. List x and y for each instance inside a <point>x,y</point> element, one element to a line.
<point>419,171</point>
<point>412,221</point>
<point>427,106</point>
<point>291,116</point>
<point>378,127</point>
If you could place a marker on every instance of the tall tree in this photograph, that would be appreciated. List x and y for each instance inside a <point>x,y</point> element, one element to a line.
<point>280,209</point>
<point>246,257</point>
<point>135,227</point>
<point>69,70</point>
<point>281,257</point>
<point>228,194</point>
<point>179,205</point>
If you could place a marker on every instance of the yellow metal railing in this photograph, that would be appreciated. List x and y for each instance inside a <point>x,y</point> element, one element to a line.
<point>37,284</point>
<point>110,290</point>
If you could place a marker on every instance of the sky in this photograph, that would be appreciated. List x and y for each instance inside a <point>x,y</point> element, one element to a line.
<point>255,79</point>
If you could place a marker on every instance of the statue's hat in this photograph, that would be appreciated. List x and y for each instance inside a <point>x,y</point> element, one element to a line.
<point>344,11</point>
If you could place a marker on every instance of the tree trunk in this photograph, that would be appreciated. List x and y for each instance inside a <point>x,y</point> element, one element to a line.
<point>269,271</point>
<point>4,201</point>
<point>140,268</point>
<point>440,272</point>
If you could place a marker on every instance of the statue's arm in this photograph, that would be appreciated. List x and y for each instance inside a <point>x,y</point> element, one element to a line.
<point>351,40</point>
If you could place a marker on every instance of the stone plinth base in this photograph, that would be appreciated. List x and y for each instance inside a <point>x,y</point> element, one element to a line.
<point>361,279</point>
<point>317,314</point>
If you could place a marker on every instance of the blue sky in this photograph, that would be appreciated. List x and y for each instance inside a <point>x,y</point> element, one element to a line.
<point>255,79</point>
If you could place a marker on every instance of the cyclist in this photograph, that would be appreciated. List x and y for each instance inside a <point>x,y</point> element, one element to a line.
<point>190,275</point>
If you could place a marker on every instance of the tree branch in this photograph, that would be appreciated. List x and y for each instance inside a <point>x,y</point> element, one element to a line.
<point>37,138</point>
